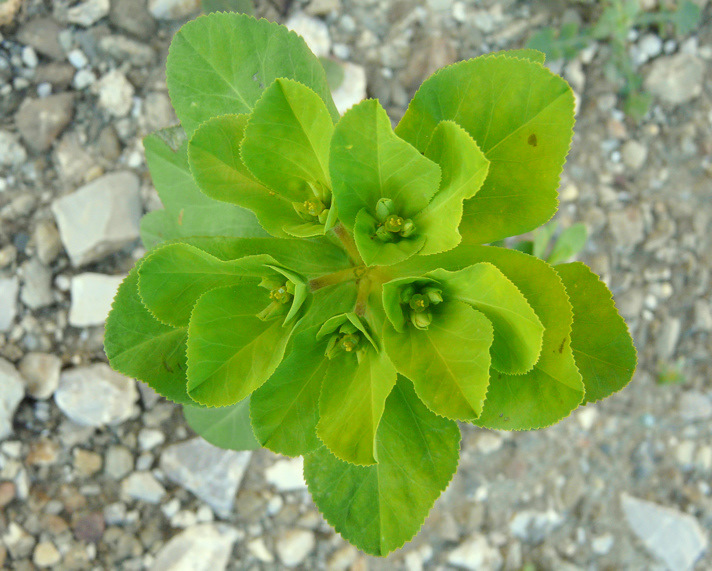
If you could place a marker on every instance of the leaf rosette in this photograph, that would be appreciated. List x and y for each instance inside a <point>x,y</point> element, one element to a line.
<point>321,285</point>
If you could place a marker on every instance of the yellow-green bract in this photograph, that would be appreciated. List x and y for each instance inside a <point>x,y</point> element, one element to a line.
<point>321,285</point>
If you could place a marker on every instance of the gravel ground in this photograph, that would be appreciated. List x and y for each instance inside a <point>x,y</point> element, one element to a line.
<point>98,473</point>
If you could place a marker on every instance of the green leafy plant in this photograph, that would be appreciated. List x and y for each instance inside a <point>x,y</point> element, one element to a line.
<point>555,250</point>
<point>617,19</point>
<point>319,285</point>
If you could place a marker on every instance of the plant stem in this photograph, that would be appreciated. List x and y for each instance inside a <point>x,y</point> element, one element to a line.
<point>364,289</point>
<point>349,274</point>
<point>348,243</point>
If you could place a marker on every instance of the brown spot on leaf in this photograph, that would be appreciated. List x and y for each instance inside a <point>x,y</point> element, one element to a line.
<point>561,347</point>
<point>532,140</point>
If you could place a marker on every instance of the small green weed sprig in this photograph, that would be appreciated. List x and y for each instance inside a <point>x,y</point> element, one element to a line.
<point>320,285</point>
<point>617,19</point>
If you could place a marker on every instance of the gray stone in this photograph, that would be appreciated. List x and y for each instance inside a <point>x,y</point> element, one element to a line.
<point>157,112</point>
<point>100,218</point>
<point>12,391</point>
<point>294,545</point>
<point>212,474</point>
<point>149,438</point>
<point>8,301</point>
<point>314,31</point>
<point>88,13</point>
<point>118,462</point>
<point>43,35</point>
<point>627,227</point>
<point>115,93</point>
<point>12,153</point>
<point>41,374</point>
<point>37,284</point>
<point>352,89</point>
<point>674,537</point>
<point>694,405</point>
<point>132,16</point>
<point>203,547</point>
<point>676,79</point>
<point>533,526</point>
<point>173,9</point>
<point>40,121</point>
<point>94,395</point>
<point>92,295</point>
<point>47,241</point>
<point>287,475</point>
<point>668,338</point>
<point>322,7</point>
<point>143,486</point>
<point>476,553</point>
<point>634,155</point>
<point>122,49</point>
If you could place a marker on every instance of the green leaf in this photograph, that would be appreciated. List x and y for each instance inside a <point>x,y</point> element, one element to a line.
<point>286,144</point>
<point>569,243</point>
<point>315,257</point>
<point>521,116</point>
<point>157,226</point>
<point>553,388</point>
<point>285,410</point>
<point>188,212</point>
<point>369,162</point>
<point>380,507</point>
<point>334,72</point>
<point>464,169</point>
<point>531,54</point>
<point>226,427</point>
<point>352,400</point>
<point>518,333</point>
<point>216,164</point>
<point>221,63</point>
<point>174,276</point>
<point>140,346</point>
<point>686,17</point>
<point>542,239</point>
<point>231,351</point>
<point>240,6</point>
<point>448,362</point>
<point>377,253</point>
<point>600,341</point>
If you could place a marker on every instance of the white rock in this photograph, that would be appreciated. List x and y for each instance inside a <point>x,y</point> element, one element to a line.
<point>287,475</point>
<point>489,442</point>
<point>534,526</point>
<point>602,544</point>
<point>115,93</point>
<point>92,295</point>
<point>94,395</point>
<point>173,9</point>
<point>294,546</point>
<point>314,31</point>
<point>352,89</point>
<point>149,438</point>
<point>212,474</point>
<point>695,405</point>
<point>204,547</point>
<point>12,391</point>
<point>37,284</point>
<point>258,548</point>
<point>12,153</point>
<point>676,79</point>
<point>475,554</point>
<point>41,374</point>
<point>100,218</point>
<point>88,12</point>
<point>9,288</point>
<point>77,58</point>
<point>18,542</point>
<point>29,57</point>
<point>674,537</point>
<point>143,486</point>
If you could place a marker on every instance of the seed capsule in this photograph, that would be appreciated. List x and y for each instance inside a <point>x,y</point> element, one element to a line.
<point>433,294</point>
<point>408,228</point>
<point>421,320</point>
<point>384,208</point>
<point>419,303</point>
